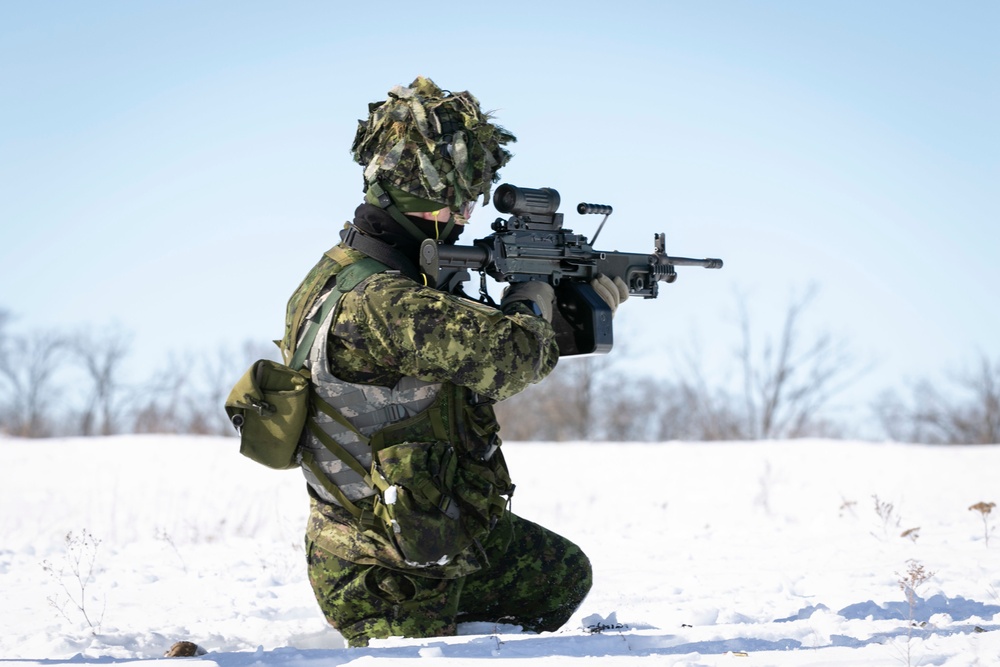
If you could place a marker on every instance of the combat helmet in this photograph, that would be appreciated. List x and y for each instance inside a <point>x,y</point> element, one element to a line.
<point>429,148</point>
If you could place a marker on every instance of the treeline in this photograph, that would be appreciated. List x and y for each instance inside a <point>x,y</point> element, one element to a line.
<point>781,387</point>
<point>55,383</point>
<point>589,399</point>
<point>74,383</point>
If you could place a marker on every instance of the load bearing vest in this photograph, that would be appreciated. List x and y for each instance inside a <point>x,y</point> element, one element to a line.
<point>353,423</point>
<point>336,447</point>
<point>367,409</point>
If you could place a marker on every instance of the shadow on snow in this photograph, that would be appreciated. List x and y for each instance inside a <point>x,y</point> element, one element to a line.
<point>619,642</point>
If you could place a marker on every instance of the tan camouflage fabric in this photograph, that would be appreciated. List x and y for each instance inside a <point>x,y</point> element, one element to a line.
<point>434,144</point>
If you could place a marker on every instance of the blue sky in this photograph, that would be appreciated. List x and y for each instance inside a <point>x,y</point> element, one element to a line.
<point>174,168</point>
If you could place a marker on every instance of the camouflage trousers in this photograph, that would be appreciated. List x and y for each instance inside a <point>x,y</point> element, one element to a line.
<point>535,579</point>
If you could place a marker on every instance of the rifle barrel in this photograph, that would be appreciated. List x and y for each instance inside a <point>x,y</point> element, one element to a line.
<point>708,263</point>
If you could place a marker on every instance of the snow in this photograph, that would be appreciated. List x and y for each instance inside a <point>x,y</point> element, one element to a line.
<point>744,554</point>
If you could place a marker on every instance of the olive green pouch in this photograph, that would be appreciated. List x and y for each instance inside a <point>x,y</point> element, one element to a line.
<point>269,406</point>
<point>416,502</point>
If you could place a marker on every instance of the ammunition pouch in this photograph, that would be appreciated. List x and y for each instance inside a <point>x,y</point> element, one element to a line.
<point>437,494</point>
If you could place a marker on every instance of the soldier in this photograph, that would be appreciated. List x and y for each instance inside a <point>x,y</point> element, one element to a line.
<point>409,531</point>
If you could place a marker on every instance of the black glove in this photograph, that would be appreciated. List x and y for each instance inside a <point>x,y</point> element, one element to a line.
<point>536,292</point>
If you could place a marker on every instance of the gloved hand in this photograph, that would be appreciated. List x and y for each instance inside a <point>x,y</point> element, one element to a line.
<point>539,293</point>
<point>612,291</point>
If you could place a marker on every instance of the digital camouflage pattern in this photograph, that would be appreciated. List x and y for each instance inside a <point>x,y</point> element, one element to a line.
<point>395,328</point>
<point>534,578</point>
<point>431,143</point>
<point>389,328</point>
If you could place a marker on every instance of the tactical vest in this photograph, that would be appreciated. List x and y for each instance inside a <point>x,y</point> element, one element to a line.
<point>366,410</point>
<point>419,462</point>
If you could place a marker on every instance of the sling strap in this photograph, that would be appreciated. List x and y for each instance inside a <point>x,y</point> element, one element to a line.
<point>381,251</point>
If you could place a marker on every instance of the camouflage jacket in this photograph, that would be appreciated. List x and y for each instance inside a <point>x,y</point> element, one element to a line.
<point>395,328</point>
<point>389,328</point>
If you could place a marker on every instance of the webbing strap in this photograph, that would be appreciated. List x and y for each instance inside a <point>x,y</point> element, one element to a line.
<point>365,516</point>
<point>338,254</point>
<point>381,251</point>
<point>346,280</point>
<point>337,450</point>
<point>337,416</point>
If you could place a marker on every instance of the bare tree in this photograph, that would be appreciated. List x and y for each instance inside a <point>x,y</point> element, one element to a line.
<point>970,414</point>
<point>188,393</point>
<point>786,385</point>
<point>979,420</point>
<point>779,388</point>
<point>785,388</point>
<point>561,407</point>
<point>28,365</point>
<point>539,412</point>
<point>626,407</point>
<point>204,405</point>
<point>695,409</point>
<point>217,374</point>
<point>159,403</point>
<point>102,357</point>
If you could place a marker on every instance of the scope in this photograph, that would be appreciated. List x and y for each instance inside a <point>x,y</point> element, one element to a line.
<point>525,201</point>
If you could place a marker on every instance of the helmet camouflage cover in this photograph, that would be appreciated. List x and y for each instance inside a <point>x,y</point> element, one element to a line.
<point>431,143</point>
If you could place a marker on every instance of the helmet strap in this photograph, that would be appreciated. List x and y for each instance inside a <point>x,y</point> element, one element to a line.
<point>447,228</point>
<point>379,197</point>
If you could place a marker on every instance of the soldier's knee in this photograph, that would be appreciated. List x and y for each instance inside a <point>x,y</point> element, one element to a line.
<point>579,579</point>
<point>586,576</point>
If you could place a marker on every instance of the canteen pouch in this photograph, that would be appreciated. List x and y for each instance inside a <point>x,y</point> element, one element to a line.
<point>269,406</point>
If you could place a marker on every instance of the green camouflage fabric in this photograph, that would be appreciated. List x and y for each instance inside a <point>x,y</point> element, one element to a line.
<point>387,328</point>
<point>395,328</point>
<point>431,143</point>
<point>534,578</point>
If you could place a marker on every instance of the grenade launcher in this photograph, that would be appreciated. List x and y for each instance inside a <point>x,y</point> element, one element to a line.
<point>532,245</point>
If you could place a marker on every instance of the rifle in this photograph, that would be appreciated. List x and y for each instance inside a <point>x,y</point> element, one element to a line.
<point>532,245</point>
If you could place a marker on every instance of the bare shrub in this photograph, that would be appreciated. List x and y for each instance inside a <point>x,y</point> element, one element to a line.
<point>73,576</point>
<point>984,510</point>
<point>915,577</point>
<point>887,514</point>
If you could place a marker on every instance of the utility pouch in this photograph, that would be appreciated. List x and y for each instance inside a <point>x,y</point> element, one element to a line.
<point>416,482</point>
<point>269,406</point>
<point>434,502</point>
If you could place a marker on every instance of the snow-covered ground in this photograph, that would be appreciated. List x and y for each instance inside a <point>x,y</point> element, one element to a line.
<point>770,553</point>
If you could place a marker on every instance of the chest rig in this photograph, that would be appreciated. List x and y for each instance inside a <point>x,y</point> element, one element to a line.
<point>424,447</point>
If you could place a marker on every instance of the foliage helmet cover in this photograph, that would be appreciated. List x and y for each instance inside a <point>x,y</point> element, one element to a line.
<point>431,144</point>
